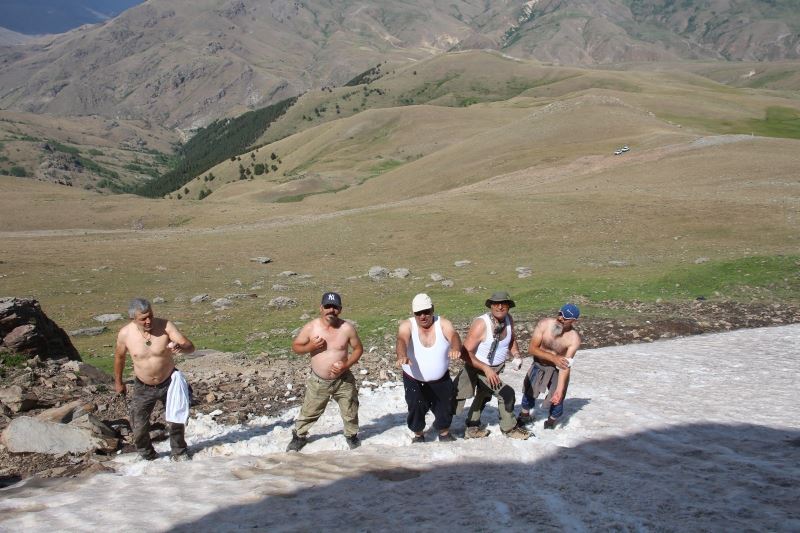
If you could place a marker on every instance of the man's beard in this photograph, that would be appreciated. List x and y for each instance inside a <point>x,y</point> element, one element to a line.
<point>557,329</point>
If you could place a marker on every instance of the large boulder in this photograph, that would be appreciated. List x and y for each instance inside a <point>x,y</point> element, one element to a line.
<point>25,329</point>
<point>26,434</point>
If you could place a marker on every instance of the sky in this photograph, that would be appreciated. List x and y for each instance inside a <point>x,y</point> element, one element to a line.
<point>697,433</point>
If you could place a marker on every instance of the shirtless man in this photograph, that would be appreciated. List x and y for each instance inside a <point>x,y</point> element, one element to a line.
<point>489,343</point>
<point>326,339</point>
<point>553,348</point>
<point>152,343</point>
<point>426,343</point>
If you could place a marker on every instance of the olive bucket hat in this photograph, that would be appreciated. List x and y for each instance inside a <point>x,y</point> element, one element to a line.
<point>500,297</point>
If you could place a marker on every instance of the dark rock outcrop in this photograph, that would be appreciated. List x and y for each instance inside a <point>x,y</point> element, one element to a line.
<point>25,329</point>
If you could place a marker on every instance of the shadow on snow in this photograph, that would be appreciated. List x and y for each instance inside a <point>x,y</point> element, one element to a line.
<point>692,477</point>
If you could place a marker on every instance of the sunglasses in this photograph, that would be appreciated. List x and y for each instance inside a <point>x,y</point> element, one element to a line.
<point>330,306</point>
<point>560,315</point>
<point>423,312</point>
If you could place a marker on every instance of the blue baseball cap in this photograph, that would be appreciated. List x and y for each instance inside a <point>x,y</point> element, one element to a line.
<point>570,311</point>
<point>331,298</point>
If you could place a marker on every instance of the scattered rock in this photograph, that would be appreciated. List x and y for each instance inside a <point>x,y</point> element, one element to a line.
<point>261,259</point>
<point>200,298</point>
<point>88,332</point>
<point>447,283</point>
<point>400,273</point>
<point>108,317</point>
<point>65,413</point>
<point>222,303</point>
<point>159,300</point>
<point>524,272</point>
<point>436,277</point>
<point>105,436</point>
<point>462,263</point>
<point>89,375</point>
<point>701,260</point>
<point>287,274</point>
<point>17,399</point>
<point>282,302</point>
<point>378,272</point>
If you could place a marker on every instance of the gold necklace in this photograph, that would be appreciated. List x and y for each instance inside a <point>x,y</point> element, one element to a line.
<point>147,341</point>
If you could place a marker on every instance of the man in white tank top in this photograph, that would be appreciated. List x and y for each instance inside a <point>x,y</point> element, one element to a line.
<point>489,343</point>
<point>426,344</point>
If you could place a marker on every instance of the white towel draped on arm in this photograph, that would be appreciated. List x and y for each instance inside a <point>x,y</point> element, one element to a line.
<point>177,408</point>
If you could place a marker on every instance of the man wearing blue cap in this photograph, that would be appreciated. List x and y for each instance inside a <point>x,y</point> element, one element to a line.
<point>553,346</point>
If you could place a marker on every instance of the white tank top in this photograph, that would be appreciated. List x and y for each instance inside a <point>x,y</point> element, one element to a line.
<point>501,354</point>
<point>427,364</point>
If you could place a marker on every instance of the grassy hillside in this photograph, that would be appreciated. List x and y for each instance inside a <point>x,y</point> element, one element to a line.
<point>460,118</point>
<point>524,178</point>
<point>86,152</point>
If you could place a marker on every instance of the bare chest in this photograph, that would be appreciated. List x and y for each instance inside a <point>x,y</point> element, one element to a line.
<point>335,338</point>
<point>555,344</point>
<point>144,349</point>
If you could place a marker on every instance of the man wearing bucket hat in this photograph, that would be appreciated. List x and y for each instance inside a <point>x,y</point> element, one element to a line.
<point>553,346</point>
<point>426,343</point>
<point>489,343</point>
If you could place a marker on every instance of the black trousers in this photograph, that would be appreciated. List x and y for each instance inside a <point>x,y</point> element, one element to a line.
<point>142,402</point>
<point>424,396</point>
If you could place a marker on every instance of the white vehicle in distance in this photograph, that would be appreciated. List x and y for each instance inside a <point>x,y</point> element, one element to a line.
<point>617,152</point>
<point>624,148</point>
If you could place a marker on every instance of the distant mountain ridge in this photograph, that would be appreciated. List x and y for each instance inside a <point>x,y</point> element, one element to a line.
<point>9,37</point>
<point>184,64</point>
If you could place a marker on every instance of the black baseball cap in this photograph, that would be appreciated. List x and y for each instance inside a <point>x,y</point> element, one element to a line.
<point>331,298</point>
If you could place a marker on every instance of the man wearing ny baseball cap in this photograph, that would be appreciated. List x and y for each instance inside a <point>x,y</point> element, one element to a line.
<point>327,340</point>
<point>426,343</point>
<point>553,346</point>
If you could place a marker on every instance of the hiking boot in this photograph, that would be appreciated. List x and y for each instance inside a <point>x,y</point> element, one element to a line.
<point>476,432</point>
<point>446,437</point>
<point>525,418</point>
<point>353,441</point>
<point>417,439</point>
<point>517,433</point>
<point>297,443</point>
<point>550,423</point>
<point>149,455</point>
<point>180,457</point>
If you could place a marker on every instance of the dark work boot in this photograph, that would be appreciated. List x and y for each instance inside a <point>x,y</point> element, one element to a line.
<point>297,443</point>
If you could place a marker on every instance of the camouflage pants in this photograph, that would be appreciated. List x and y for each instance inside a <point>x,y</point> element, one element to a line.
<point>319,391</point>
<point>142,402</point>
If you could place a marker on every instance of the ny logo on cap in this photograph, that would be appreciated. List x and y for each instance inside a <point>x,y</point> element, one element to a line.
<point>332,297</point>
